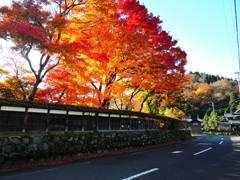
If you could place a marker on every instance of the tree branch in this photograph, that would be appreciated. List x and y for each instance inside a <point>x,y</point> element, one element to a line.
<point>42,66</point>
<point>49,69</point>
<point>94,85</point>
<point>115,102</point>
<point>60,96</point>
<point>144,100</point>
<point>41,60</point>
<point>26,56</point>
<point>70,7</point>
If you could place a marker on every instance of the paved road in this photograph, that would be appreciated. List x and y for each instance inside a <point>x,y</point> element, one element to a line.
<point>207,158</point>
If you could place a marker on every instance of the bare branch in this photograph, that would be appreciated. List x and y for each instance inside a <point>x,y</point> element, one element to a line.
<point>41,59</point>
<point>42,66</point>
<point>45,62</point>
<point>94,85</point>
<point>49,69</point>
<point>26,56</point>
<point>70,7</point>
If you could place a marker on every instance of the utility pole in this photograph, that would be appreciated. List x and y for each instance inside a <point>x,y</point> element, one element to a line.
<point>238,46</point>
<point>238,80</point>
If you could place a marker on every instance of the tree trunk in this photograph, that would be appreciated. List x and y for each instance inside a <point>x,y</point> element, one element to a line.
<point>105,103</point>
<point>25,119</point>
<point>34,91</point>
<point>144,100</point>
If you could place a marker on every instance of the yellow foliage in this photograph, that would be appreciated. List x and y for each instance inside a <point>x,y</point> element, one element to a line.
<point>202,90</point>
<point>2,71</point>
<point>175,113</point>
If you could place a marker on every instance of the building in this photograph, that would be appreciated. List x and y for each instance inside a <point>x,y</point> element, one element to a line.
<point>196,126</point>
<point>232,121</point>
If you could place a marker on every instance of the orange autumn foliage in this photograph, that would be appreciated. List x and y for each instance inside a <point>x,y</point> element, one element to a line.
<point>108,54</point>
<point>130,53</point>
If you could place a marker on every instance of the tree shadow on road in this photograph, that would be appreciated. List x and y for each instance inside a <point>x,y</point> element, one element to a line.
<point>230,168</point>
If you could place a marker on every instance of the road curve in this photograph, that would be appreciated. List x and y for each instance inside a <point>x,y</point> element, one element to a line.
<point>208,157</point>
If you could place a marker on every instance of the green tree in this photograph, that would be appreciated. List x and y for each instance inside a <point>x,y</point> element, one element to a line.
<point>233,102</point>
<point>209,121</point>
<point>205,121</point>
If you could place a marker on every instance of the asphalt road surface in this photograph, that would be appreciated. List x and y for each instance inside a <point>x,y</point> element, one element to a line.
<point>207,158</point>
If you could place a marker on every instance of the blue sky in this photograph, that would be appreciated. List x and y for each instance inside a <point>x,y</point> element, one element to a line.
<point>205,29</point>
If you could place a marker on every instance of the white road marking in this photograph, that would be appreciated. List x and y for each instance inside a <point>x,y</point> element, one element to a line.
<point>28,173</point>
<point>202,151</point>
<point>141,174</point>
<point>221,138</point>
<point>220,142</point>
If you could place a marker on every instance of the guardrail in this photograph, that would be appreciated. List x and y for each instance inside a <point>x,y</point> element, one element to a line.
<point>27,116</point>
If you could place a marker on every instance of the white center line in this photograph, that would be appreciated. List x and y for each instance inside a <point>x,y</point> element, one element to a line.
<point>141,174</point>
<point>220,142</point>
<point>202,151</point>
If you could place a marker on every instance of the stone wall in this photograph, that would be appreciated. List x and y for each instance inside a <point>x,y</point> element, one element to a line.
<point>20,149</point>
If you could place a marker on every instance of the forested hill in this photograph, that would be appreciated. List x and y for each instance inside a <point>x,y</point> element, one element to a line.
<point>205,78</point>
<point>207,94</point>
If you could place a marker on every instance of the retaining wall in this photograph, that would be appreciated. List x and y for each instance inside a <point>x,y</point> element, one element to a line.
<point>22,149</point>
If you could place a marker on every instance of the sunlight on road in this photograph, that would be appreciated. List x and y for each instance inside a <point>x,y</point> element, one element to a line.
<point>177,152</point>
<point>236,143</point>
<point>235,138</point>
